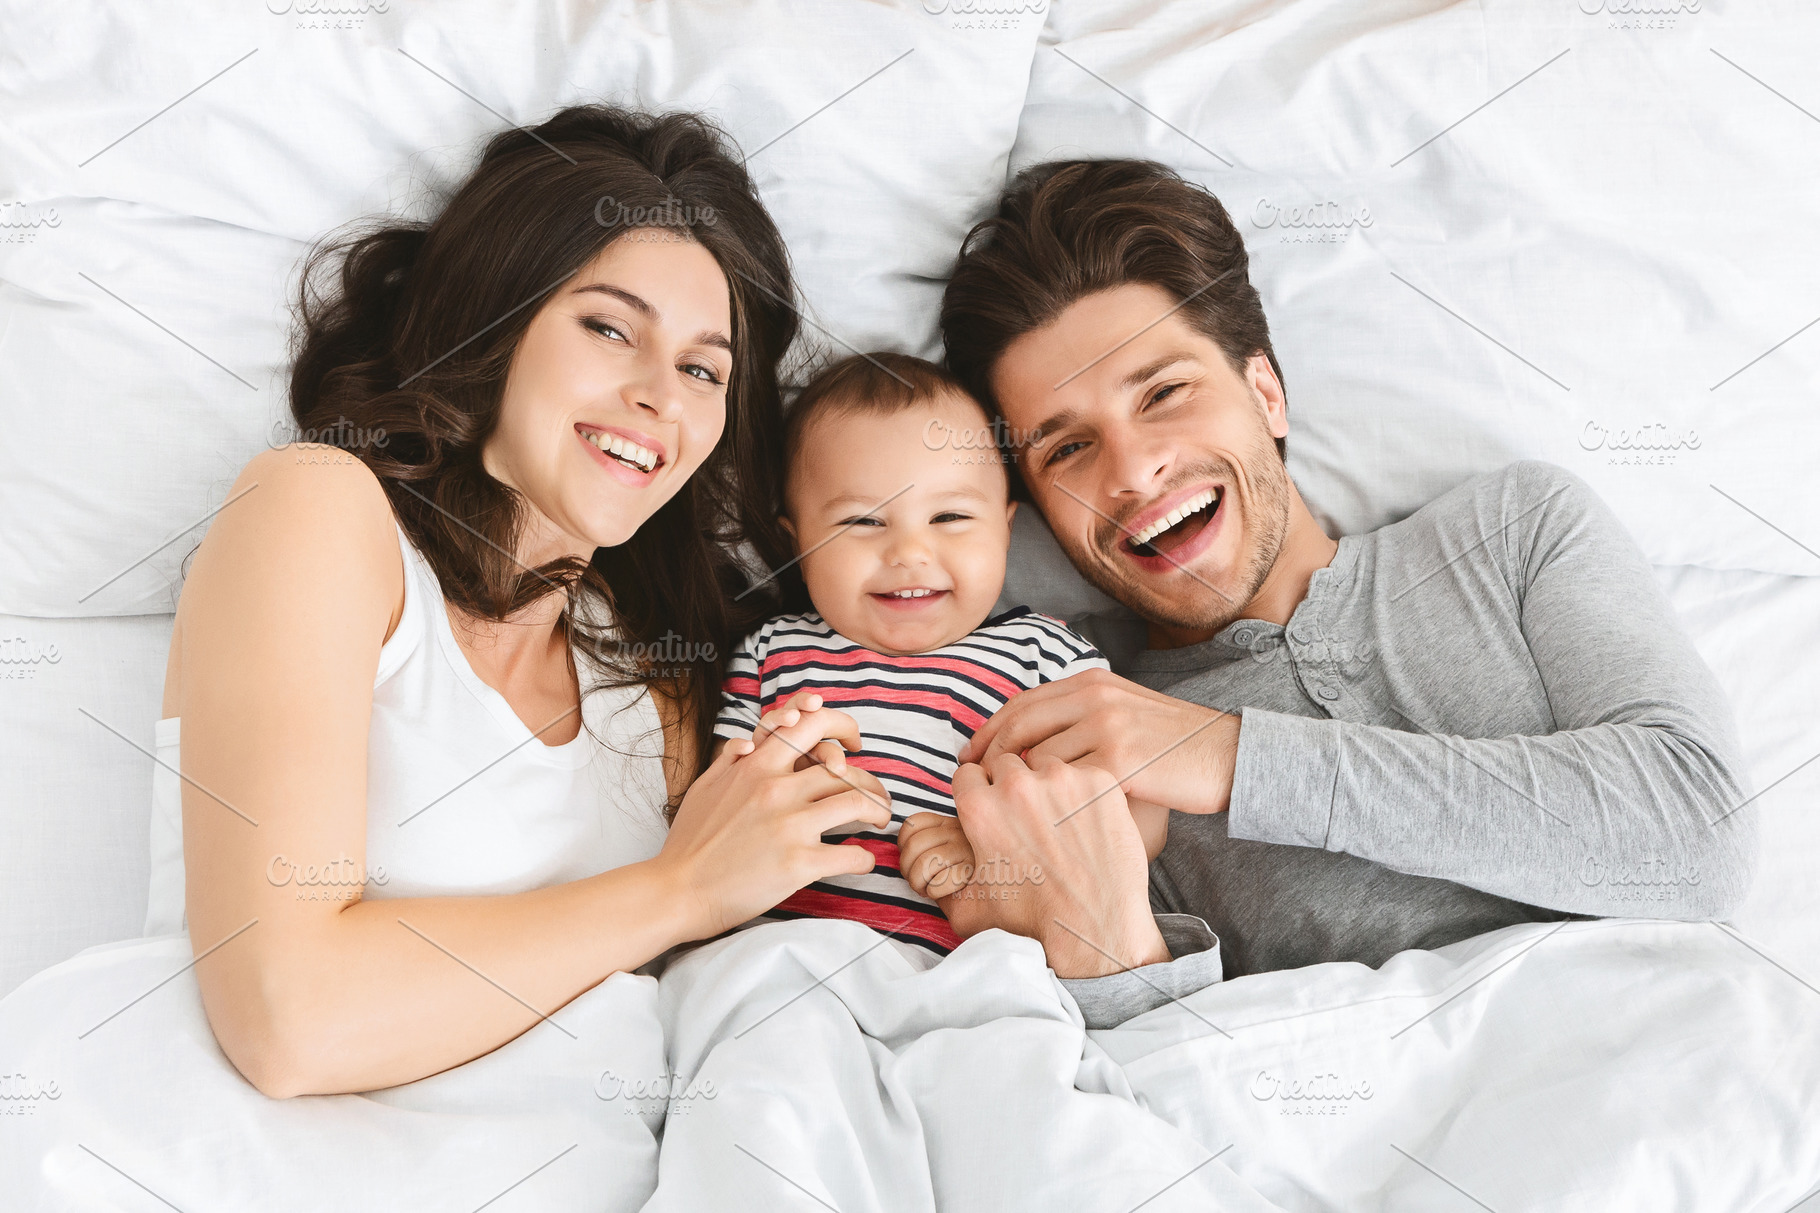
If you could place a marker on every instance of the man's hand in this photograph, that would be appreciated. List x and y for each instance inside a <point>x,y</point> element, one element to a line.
<point>1058,859</point>
<point>1161,749</point>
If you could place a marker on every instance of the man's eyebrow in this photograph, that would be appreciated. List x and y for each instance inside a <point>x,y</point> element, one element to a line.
<point>1153,366</point>
<point>639,304</point>
<point>1057,422</point>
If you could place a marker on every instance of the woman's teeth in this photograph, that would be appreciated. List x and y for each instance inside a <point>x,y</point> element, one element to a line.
<point>1193,505</point>
<point>623,450</point>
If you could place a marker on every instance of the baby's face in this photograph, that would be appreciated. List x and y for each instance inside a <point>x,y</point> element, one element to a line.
<point>906,527</point>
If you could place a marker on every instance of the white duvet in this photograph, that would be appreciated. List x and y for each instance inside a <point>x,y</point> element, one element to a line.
<point>1606,1065</point>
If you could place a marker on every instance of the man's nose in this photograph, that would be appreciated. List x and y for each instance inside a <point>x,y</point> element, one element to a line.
<point>1135,464</point>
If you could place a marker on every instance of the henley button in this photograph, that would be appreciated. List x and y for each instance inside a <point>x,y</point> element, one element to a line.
<point>1327,693</point>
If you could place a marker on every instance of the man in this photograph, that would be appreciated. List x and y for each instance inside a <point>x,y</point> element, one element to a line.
<point>1482,715</point>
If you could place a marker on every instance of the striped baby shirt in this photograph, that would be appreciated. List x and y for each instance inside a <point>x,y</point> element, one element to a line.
<point>914,714</point>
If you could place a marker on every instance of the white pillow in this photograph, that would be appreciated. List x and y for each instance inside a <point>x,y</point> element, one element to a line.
<point>171,165</point>
<point>77,701</point>
<point>1617,239</point>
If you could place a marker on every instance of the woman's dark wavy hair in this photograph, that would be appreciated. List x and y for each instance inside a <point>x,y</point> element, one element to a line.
<point>408,330</point>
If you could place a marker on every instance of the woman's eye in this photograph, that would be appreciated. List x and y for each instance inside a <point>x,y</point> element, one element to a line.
<point>707,373</point>
<point>603,328</point>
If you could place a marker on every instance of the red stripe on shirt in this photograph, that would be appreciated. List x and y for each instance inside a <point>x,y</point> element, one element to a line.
<point>929,926</point>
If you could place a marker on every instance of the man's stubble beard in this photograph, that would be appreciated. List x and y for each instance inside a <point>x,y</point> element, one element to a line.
<point>1265,524</point>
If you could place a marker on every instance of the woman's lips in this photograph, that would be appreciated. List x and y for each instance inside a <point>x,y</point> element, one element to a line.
<point>618,468</point>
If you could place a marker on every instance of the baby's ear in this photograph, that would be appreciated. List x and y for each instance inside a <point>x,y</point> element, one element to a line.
<point>1010,509</point>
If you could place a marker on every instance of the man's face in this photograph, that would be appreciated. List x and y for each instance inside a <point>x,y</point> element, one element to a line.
<point>1142,419</point>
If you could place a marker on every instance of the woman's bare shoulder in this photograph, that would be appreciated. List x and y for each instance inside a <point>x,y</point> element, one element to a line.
<point>304,550</point>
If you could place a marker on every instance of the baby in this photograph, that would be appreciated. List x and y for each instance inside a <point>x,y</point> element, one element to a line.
<point>897,500</point>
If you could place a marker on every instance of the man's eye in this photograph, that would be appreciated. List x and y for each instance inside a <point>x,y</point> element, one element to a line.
<point>1163,393</point>
<point>1061,452</point>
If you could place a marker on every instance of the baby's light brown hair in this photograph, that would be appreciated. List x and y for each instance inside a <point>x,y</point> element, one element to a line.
<point>880,383</point>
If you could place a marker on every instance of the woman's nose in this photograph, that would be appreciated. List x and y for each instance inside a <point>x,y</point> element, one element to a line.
<point>656,392</point>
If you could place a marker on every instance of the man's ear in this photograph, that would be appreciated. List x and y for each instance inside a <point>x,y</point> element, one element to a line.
<point>1263,380</point>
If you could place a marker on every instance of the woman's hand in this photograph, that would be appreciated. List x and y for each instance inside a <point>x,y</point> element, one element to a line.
<point>749,831</point>
<point>830,754</point>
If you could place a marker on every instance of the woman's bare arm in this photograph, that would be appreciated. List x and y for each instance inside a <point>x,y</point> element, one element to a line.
<point>289,599</point>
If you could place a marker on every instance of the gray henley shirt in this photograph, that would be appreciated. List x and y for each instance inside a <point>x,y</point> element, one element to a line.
<point>1484,714</point>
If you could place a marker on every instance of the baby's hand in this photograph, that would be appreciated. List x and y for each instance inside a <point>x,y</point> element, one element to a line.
<point>934,855</point>
<point>827,753</point>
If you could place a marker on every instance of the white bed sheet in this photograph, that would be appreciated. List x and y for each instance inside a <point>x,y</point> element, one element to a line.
<point>1574,1067</point>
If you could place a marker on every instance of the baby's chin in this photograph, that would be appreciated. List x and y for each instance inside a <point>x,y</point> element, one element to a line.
<point>866,623</point>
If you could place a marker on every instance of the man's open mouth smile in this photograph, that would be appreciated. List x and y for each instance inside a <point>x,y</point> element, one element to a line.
<point>1171,537</point>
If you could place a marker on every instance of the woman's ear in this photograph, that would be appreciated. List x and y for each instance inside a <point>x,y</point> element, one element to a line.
<point>783,520</point>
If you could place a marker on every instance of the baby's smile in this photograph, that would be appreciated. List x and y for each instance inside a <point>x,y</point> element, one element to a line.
<point>904,538</point>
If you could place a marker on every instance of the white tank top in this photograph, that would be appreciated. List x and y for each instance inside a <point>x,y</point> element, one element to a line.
<point>461,797</point>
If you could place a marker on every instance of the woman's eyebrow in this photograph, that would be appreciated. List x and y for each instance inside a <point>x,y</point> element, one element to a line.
<point>635,302</point>
<point>713,337</point>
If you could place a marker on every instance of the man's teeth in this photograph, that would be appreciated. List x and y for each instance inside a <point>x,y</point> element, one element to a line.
<point>910,593</point>
<point>1193,505</point>
<point>623,450</point>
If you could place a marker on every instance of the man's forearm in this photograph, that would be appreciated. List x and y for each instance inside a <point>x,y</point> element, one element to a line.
<point>1612,820</point>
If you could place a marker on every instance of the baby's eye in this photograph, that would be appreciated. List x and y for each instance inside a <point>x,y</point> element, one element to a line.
<point>951,516</point>
<point>862,520</point>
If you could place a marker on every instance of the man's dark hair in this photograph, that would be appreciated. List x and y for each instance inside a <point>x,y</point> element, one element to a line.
<point>1071,228</point>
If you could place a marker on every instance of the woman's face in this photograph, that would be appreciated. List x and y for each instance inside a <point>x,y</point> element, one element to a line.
<point>631,354</point>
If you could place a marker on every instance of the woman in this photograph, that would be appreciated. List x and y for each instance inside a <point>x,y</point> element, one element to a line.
<point>426,660</point>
